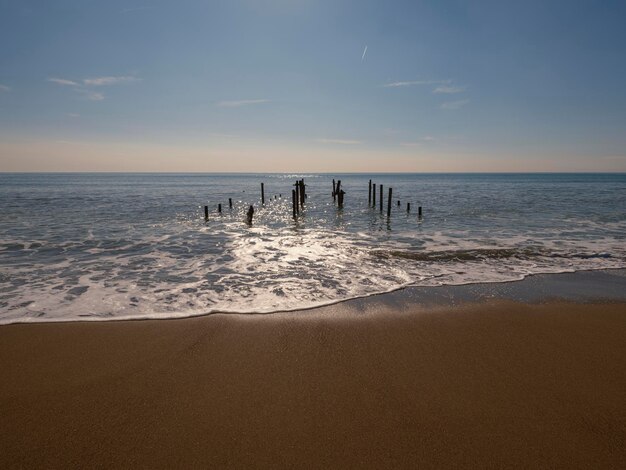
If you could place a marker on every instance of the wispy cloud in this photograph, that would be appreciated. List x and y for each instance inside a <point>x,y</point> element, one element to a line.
<point>63,81</point>
<point>4,88</point>
<point>418,142</point>
<point>454,104</point>
<point>339,141</point>
<point>238,103</point>
<point>84,86</point>
<point>449,89</point>
<point>92,95</point>
<point>364,52</point>
<point>104,81</point>
<point>415,83</point>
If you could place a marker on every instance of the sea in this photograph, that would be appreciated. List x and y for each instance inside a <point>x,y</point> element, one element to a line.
<point>110,246</point>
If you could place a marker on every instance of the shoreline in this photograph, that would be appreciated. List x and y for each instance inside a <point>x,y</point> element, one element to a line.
<point>607,284</point>
<point>492,383</point>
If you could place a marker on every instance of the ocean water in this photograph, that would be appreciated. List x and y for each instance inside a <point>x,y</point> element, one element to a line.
<point>118,246</point>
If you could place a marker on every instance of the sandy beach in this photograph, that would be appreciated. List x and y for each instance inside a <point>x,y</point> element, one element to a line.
<point>497,384</point>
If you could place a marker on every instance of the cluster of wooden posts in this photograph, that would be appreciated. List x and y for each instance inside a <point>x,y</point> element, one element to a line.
<point>298,199</point>
<point>371,200</point>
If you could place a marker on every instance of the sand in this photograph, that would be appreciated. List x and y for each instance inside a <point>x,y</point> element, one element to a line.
<point>487,385</point>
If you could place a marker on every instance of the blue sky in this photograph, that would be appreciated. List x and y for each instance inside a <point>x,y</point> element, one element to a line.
<point>282,85</point>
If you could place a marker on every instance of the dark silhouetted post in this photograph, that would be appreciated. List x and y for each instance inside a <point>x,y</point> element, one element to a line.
<point>297,185</point>
<point>341,194</point>
<point>419,212</point>
<point>302,193</point>
<point>262,195</point>
<point>338,186</point>
<point>293,202</point>
<point>250,215</point>
<point>334,192</point>
<point>374,195</point>
<point>369,194</point>
<point>408,207</point>
<point>389,203</point>
<point>206,212</point>
<point>398,202</point>
<point>219,208</point>
<point>230,202</point>
<point>381,198</point>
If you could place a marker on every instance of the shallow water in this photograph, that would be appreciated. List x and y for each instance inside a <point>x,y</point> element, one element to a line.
<point>112,246</point>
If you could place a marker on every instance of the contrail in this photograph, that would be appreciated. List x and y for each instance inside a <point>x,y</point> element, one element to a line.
<point>364,51</point>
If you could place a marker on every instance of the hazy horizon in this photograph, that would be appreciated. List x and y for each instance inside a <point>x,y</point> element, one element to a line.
<point>321,87</point>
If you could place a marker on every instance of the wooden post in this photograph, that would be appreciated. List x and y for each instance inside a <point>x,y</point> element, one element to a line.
<point>301,193</point>
<point>293,202</point>
<point>389,204</point>
<point>369,194</point>
<point>374,196</point>
<point>334,192</point>
<point>408,207</point>
<point>341,194</point>
<point>297,196</point>
<point>250,214</point>
<point>338,186</point>
<point>206,212</point>
<point>398,202</point>
<point>262,195</point>
<point>219,208</point>
<point>381,198</point>
<point>230,202</point>
<point>419,212</point>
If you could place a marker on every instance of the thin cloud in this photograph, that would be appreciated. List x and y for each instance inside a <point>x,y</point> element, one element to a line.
<point>105,81</point>
<point>339,141</point>
<point>423,140</point>
<point>92,95</point>
<point>364,52</point>
<point>454,104</point>
<point>84,86</point>
<point>4,88</point>
<point>63,81</point>
<point>449,89</point>
<point>238,103</point>
<point>415,83</point>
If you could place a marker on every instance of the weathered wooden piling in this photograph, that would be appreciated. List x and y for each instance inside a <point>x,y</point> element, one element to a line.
<point>250,215</point>
<point>381,198</point>
<point>334,190</point>
<point>206,212</point>
<point>398,202</point>
<point>219,208</point>
<point>419,212</point>
<point>230,202</point>
<point>374,196</point>
<point>302,192</point>
<point>408,207</point>
<point>341,194</point>
<point>293,202</point>
<point>389,203</point>
<point>338,186</point>
<point>262,194</point>
<point>297,186</point>
<point>369,194</point>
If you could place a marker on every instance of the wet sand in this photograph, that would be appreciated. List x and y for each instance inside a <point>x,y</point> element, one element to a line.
<point>481,385</point>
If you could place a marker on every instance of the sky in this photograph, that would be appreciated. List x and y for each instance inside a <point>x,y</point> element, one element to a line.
<point>312,86</point>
